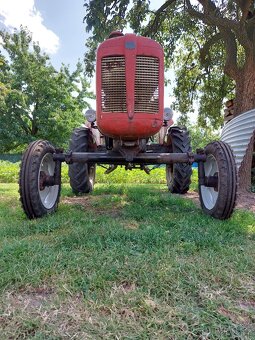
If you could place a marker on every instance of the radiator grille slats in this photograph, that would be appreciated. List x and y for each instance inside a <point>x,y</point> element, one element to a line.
<point>114,93</point>
<point>113,90</point>
<point>147,84</point>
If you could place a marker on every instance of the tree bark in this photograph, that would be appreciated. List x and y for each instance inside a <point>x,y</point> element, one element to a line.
<point>245,88</point>
<point>245,101</point>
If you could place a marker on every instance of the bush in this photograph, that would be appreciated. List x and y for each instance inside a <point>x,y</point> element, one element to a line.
<point>9,173</point>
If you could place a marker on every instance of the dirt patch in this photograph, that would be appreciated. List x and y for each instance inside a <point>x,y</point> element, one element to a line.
<point>194,196</point>
<point>130,224</point>
<point>151,304</point>
<point>84,201</point>
<point>247,306</point>
<point>27,312</point>
<point>244,201</point>
<point>29,300</point>
<point>241,319</point>
<point>126,313</point>
<point>124,288</point>
<point>96,204</point>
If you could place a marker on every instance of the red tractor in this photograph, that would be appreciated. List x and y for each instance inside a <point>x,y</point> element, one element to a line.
<point>129,114</point>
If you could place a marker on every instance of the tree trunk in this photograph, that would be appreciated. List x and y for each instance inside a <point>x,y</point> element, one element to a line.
<point>34,128</point>
<point>245,88</point>
<point>245,101</point>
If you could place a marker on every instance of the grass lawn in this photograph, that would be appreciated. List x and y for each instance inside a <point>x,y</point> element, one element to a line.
<point>129,261</point>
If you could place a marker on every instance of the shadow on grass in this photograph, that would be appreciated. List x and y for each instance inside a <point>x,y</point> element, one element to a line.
<point>144,215</point>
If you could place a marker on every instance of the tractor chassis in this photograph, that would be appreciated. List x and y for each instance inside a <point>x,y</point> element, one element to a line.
<point>40,174</point>
<point>117,158</point>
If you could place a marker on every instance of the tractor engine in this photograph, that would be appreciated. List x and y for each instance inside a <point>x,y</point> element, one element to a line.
<point>130,86</point>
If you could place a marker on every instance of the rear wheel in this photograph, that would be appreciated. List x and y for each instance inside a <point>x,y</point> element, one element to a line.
<point>37,166</point>
<point>218,193</point>
<point>82,175</point>
<point>178,175</point>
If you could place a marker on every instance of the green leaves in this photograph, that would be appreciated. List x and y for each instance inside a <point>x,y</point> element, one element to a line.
<point>205,42</point>
<point>36,101</point>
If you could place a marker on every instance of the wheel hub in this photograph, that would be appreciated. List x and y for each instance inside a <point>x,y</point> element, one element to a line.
<point>48,190</point>
<point>212,181</point>
<point>46,180</point>
<point>209,188</point>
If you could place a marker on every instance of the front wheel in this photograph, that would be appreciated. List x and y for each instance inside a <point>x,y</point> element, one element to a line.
<point>217,193</point>
<point>37,196</point>
<point>82,175</point>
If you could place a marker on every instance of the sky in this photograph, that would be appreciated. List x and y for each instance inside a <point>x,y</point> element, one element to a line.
<point>57,25</point>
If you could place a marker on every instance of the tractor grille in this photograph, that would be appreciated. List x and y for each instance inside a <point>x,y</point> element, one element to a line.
<point>113,90</point>
<point>147,84</point>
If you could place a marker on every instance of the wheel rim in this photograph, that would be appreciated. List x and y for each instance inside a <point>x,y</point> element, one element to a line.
<point>209,194</point>
<point>48,195</point>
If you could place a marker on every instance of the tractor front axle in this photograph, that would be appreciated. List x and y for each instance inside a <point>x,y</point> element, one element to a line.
<point>117,158</point>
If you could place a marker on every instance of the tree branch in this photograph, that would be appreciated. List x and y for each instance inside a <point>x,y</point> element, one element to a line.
<point>250,26</point>
<point>231,67</point>
<point>23,125</point>
<point>243,31</point>
<point>193,12</point>
<point>209,43</point>
<point>152,26</point>
<point>243,37</point>
<point>208,6</point>
<point>245,7</point>
<point>210,16</point>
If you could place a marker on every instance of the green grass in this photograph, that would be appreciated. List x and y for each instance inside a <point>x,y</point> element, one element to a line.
<point>129,261</point>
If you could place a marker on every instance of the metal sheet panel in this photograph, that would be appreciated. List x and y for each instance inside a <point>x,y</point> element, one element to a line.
<point>237,133</point>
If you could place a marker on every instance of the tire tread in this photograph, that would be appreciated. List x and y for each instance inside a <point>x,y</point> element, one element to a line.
<point>181,172</point>
<point>81,175</point>
<point>227,177</point>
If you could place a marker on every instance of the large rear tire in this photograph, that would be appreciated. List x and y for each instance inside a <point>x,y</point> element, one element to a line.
<point>178,175</point>
<point>37,162</point>
<point>82,175</point>
<point>219,200</point>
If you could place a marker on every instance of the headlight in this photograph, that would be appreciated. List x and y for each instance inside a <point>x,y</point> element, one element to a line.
<point>90,115</point>
<point>168,113</point>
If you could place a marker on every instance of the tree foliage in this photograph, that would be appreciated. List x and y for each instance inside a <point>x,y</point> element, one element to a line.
<point>36,101</point>
<point>200,137</point>
<point>209,43</point>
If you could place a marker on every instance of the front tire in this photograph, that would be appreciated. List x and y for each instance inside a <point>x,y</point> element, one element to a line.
<point>82,175</point>
<point>37,162</point>
<point>178,175</point>
<point>219,201</point>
